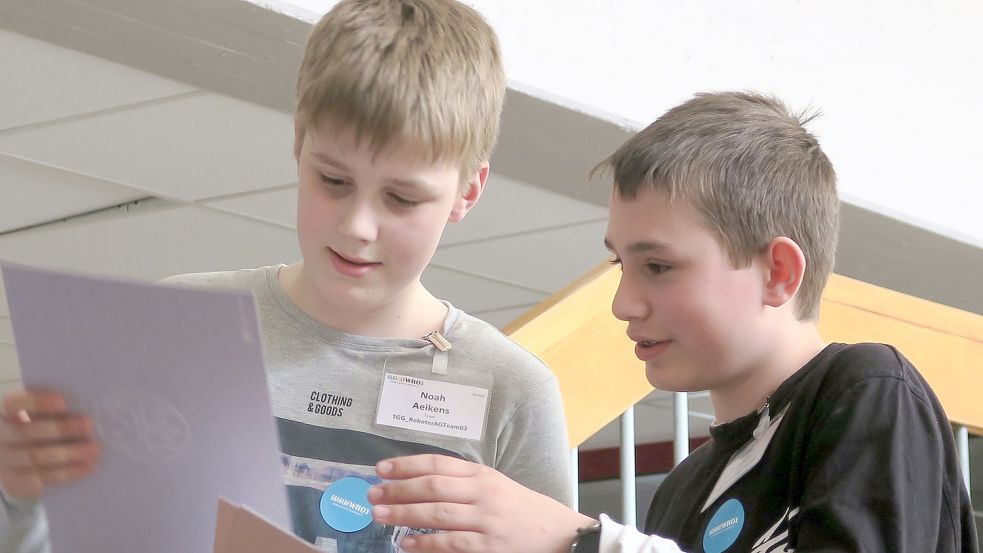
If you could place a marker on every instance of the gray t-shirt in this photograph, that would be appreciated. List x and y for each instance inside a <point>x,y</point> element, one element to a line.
<point>325,387</point>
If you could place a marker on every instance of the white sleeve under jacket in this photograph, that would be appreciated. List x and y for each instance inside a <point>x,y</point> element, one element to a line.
<point>617,538</point>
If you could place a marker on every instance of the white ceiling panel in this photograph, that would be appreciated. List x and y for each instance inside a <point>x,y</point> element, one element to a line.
<point>546,260</point>
<point>502,317</point>
<point>6,332</point>
<point>510,207</point>
<point>9,367</point>
<point>34,193</point>
<point>154,244</point>
<point>189,148</point>
<point>276,206</point>
<point>42,82</point>
<point>475,294</point>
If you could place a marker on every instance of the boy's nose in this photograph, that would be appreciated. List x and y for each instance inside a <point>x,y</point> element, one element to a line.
<point>628,305</point>
<point>359,222</point>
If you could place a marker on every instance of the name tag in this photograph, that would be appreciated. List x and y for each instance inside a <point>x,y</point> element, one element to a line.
<point>432,406</point>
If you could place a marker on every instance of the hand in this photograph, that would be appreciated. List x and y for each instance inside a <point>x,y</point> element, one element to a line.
<point>42,444</point>
<point>480,509</point>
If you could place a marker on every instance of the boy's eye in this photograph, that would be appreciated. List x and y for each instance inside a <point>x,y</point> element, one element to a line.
<point>332,181</point>
<point>617,263</point>
<point>402,201</point>
<point>656,268</point>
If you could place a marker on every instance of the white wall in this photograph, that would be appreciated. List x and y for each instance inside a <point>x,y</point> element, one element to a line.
<point>898,81</point>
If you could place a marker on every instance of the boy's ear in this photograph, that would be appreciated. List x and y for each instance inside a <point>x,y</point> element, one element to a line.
<point>472,191</point>
<point>298,139</point>
<point>786,265</point>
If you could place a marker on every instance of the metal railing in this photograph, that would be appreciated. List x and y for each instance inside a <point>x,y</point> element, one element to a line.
<point>629,476</point>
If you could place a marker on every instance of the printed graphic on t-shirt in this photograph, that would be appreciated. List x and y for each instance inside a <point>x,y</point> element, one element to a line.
<point>314,458</point>
<point>328,404</point>
<point>775,540</point>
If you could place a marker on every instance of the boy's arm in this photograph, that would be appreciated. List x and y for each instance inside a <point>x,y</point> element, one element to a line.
<point>533,447</point>
<point>875,473</point>
<point>23,527</point>
<point>482,511</point>
<point>42,444</point>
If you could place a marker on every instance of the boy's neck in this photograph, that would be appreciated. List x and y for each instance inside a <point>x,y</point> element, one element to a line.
<point>782,358</point>
<point>411,315</point>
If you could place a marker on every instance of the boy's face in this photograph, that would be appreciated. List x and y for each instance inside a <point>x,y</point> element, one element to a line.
<point>696,320</point>
<point>369,222</point>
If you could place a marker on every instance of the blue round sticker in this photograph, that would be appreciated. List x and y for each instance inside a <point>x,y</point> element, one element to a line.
<point>345,505</point>
<point>724,528</point>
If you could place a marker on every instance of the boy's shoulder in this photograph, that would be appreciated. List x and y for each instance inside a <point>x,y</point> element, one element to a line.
<point>242,279</point>
<point>860,379</point>
<point>481,341</point>
<point>848,365</point>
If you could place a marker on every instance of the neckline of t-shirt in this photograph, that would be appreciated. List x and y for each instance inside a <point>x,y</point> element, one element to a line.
<point>357,341</point>
<point>737,431</point>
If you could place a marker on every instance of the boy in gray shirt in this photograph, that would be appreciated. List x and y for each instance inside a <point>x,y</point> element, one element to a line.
<point>398,107</point>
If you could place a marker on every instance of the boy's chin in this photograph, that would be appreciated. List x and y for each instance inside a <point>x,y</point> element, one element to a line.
<point>663,379</point>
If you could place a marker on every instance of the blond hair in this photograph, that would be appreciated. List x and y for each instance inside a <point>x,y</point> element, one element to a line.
<point>419,74</point>
<point>746,163</point>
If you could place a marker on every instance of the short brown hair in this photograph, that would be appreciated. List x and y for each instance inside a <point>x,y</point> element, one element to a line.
<point>423,74</point>
<point>747,164</point>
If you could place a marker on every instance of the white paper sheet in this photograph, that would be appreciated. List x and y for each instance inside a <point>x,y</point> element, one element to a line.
<point>174,381</point>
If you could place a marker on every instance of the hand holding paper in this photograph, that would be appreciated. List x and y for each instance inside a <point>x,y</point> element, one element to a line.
<point>174,382</point>
<point>43,444</point>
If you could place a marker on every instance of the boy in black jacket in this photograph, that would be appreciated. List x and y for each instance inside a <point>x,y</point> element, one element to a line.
<point>724,220</point>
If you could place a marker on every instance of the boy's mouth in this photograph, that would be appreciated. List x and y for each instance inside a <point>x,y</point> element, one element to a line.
<point>647,350</point>
<point>351,266</point>
<point>354,260</point>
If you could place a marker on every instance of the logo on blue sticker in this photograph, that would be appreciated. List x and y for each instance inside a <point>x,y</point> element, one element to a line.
<point>724,528</point>
<point>345,505</point>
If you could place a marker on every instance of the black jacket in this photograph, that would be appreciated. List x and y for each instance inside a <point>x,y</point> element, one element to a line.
<point>859,456</point>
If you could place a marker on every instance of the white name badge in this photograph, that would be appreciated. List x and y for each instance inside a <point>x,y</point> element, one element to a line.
<point>432,406</point>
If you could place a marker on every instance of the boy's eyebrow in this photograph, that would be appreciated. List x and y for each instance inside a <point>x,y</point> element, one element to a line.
<point>417,183</point>
<point>639,247</point>
<point>324,158</point>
